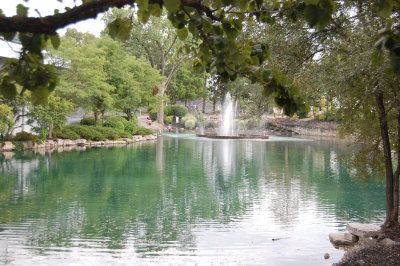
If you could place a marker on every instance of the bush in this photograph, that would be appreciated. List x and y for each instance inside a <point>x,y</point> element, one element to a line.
<point>122,124</point>
<point>190,123</point>
<point>321,117</point>
<point>188,116</point>
<point>242,124</point>
<point>153,115</point>
<point>252,124</point>
<point>295,117</point>
<point>66,133</point>
<point>130,127</point>
<point>143,131</point>
<point>302,114</point>
<point>210,124</point>
<point>169,119</point>
<point>113,133</point>
<point>176,110</point>
<point>22,136</point>
<point>115,122</point>
<point>87,121</point>
<point>87,132</point>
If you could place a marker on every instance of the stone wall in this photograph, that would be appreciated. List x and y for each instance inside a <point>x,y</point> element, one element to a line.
<point>50,144</point>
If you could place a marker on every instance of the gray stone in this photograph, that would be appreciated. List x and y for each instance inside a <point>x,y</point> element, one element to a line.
<point>41,145</point>
<point>388,242</point>
<point>49,143</point>
<point>28,144</point>
<point>364,230</point>
<point>326,256</point>
<point>343,239</point>
<point>97,143</point>
<point>59,142</point>
<point>7,146</point>
<point>68,142</point>
<point>127,140</point>
<point>80,142</point>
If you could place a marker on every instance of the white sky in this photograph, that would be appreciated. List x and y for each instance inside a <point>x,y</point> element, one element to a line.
<point>46,7</point>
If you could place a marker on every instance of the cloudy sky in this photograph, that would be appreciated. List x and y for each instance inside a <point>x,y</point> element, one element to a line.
<point>47,7</point>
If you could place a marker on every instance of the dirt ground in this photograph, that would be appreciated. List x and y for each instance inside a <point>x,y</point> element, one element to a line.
<point>142,120</point>
<point>372,255</point>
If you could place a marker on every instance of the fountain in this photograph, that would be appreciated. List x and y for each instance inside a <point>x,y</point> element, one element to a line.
<point>227,129</point>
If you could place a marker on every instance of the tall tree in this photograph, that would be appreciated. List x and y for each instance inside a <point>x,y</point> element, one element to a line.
<point>156,42</point>
<point>134,80</point>
<point>186,85</point>
<point>84,80</point>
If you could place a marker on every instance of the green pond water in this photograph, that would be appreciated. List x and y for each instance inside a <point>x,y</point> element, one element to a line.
<point>182,200</point>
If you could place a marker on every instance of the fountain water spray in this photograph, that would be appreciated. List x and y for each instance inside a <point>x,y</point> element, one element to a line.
<point>228,115</point>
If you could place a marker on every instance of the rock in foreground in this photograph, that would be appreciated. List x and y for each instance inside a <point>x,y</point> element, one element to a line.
<point>364,230</point>
<point>343,239</point>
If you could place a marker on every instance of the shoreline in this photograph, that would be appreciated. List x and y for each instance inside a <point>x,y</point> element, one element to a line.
<point>12,146</point>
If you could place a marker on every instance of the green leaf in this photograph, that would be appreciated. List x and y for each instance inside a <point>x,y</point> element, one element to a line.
<point>172,5</point>
<point>143,4</point>
<point>182,33</point>
<point>55,40</point>
<point>155,10</point>
<point>8,90</point>
<point>22,11</point>
<point>40,95</point>
<point>120,29</point>
<point>143,15</point>
<point>384,8</point>
<point>8,36</point>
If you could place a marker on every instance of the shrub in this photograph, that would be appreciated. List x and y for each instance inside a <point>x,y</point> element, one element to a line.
<point>121,123</point>
<point>87,132</point>
<point>153,115</point>
<point>321,117</point>
<point>169,119</point>
<point>22,136</point>
<point>188,116</point>
<point>242,124</point>
<point>302,114</point>
<point>87,121</point>
<point>66,133</point>
<point>252,124</point>
<point>190,123</point>
<point>176,110</point>
<point>113,133</point>
<point>294,117</point>
<point>130,127</point>
<point>210,124</point>
<point>143,131</point>
<point>115,122</point>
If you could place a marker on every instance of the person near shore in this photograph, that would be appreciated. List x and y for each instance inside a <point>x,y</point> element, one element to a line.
<point>148,121</point>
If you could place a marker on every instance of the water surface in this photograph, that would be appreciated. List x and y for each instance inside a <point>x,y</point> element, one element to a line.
<point>182,200</point>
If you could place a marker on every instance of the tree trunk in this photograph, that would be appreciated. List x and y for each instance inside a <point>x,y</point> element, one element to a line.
<point>128,113</point>
<point>96,117</point>
<point>160,113</point>
<point>50,131</point>
<point>391,217</point>
<point>397,174</point>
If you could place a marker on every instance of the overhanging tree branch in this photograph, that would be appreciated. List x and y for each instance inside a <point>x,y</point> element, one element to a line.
<point>50,24</point>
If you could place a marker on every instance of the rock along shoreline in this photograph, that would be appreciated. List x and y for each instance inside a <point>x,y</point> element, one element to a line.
<point>55,143</point>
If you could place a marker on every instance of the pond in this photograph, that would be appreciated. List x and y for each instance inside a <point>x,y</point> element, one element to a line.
<point>182,200</point>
